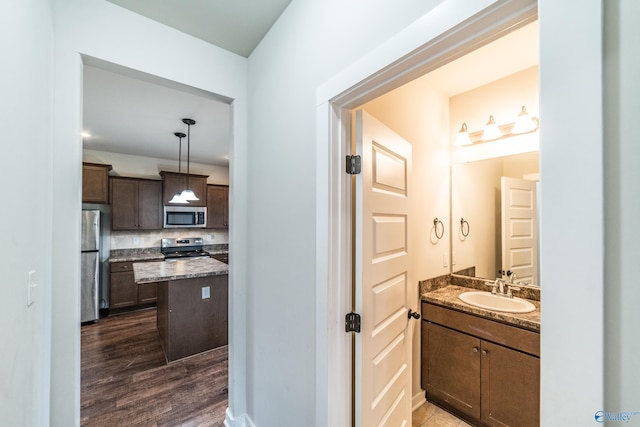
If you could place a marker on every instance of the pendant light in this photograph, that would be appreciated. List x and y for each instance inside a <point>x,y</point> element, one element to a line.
<point>177,198</point>
<point>188,194</point>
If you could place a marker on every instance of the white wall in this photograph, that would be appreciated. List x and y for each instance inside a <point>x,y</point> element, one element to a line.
<point>102,30</point>
<point>622,205</point>
<point>311,41</point>
<point>150,167</point>
<point>26,43</point>
<point>571,238</point>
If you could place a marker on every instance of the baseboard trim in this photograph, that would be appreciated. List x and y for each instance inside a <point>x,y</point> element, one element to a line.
<point>242,420</point>
<point>418,399</point>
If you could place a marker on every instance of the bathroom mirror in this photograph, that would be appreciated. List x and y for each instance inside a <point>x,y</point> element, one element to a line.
<point>492,230</point>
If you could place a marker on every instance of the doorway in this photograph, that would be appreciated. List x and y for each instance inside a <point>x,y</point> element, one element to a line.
<point>443,48</point>
<point>141,157</point>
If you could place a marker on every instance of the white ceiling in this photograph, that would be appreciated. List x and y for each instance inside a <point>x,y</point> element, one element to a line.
<point>235,25</point>
<point>130,112</point>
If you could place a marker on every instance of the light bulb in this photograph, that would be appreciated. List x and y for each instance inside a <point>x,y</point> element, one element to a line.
<point>491,130</point>
<point>524,122</point>
<point>463,136</point>
<point>188,195</point>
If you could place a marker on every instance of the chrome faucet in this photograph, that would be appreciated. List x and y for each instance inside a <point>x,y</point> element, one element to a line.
<point>498,287</point>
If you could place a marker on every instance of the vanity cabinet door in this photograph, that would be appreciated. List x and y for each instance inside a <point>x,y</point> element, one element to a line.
<point>451,368</point>
<point>510,387</point>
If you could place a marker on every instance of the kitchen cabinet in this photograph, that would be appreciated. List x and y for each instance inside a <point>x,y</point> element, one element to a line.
<point>95,183</point>
<point>173,183</point>
<point>487,372</point>
<point>192,315</point>
<point>217,206</point>
<point>136,204</point>
<point>124,292</point>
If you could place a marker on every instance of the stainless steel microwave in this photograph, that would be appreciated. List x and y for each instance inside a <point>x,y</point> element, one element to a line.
<point>185,217</point>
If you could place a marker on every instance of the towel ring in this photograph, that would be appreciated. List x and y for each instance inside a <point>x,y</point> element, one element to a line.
<point>436,221</point>
<point>464,224</point>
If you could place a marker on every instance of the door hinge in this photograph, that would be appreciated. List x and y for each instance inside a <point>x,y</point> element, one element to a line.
<point>354,165</point>
<point>352,322</point>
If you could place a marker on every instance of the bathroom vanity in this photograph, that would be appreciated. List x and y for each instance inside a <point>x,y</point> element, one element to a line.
<point>482,365</point>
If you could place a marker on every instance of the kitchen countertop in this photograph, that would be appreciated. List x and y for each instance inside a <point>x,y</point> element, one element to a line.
<point>148,272</point>
<point>448,297</point>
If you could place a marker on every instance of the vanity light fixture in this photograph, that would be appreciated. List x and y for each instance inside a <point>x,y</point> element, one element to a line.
<point>463,136</point>
<point>524,123</point>
<point>177,198</point>
<point>491,130</point>
<point>188,194</point>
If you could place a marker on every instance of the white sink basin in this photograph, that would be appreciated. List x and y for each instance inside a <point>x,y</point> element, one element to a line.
<point>496,303</point>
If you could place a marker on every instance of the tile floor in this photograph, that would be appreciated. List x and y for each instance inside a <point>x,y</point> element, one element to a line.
<point>429,415</point>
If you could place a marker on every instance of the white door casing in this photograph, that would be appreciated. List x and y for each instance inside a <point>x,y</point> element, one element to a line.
<point>519,230</point>
<point>383,348</point>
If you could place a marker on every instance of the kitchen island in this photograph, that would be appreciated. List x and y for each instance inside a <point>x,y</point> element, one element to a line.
<point>192,313</point>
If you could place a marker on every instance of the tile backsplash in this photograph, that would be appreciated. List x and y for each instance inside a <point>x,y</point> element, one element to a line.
<point>151,239</point>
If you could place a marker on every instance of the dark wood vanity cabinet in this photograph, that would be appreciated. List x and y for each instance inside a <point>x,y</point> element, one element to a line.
<point>95,183</point>
<point>487,372</point>
<point>173,183</point>
<point>217,206</point>
<point>123,290</point>
<point>136,204</point>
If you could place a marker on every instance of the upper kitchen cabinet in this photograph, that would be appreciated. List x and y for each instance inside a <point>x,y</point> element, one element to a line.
<point>95,183</point>
<point>136,204</point>
<point>176,182</point>
<point>217,206</point>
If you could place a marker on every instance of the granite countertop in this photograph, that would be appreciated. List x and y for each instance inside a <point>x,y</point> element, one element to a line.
<point>148,272</point>
<point>448,297</point>
<point>135,257</point>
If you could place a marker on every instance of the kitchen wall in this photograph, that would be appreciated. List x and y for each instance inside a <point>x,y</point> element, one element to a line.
<point>151,239</point>
<point>149,167</point>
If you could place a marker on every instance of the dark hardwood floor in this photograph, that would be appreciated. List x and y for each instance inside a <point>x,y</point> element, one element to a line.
<point>125,380</point>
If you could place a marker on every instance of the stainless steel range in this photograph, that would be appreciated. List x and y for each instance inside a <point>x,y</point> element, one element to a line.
<point>188,247</point>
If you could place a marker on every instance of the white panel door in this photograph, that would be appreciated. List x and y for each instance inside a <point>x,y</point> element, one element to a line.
<point>519,229</point>
<point>383,353</point>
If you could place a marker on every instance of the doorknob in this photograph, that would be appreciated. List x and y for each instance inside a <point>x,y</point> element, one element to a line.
<point>413,314</point>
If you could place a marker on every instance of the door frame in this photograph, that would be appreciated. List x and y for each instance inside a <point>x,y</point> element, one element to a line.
<point>449,31</point>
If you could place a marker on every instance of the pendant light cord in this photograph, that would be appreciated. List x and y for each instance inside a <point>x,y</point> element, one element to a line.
<point>188,151</point>
<point>188,122</point>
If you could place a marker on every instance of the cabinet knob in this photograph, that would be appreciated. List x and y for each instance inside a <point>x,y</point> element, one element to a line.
<point>484,352</point>
<point>475,349</point>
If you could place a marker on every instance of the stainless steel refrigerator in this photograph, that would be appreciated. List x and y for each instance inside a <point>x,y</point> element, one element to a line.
<point>90,266</point>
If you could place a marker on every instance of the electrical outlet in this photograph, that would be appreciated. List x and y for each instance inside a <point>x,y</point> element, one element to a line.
<point>445,260</point>
<point>206,292</point>
<point>136,240</point>
<point>453,258</point>
<point>31,287</point>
